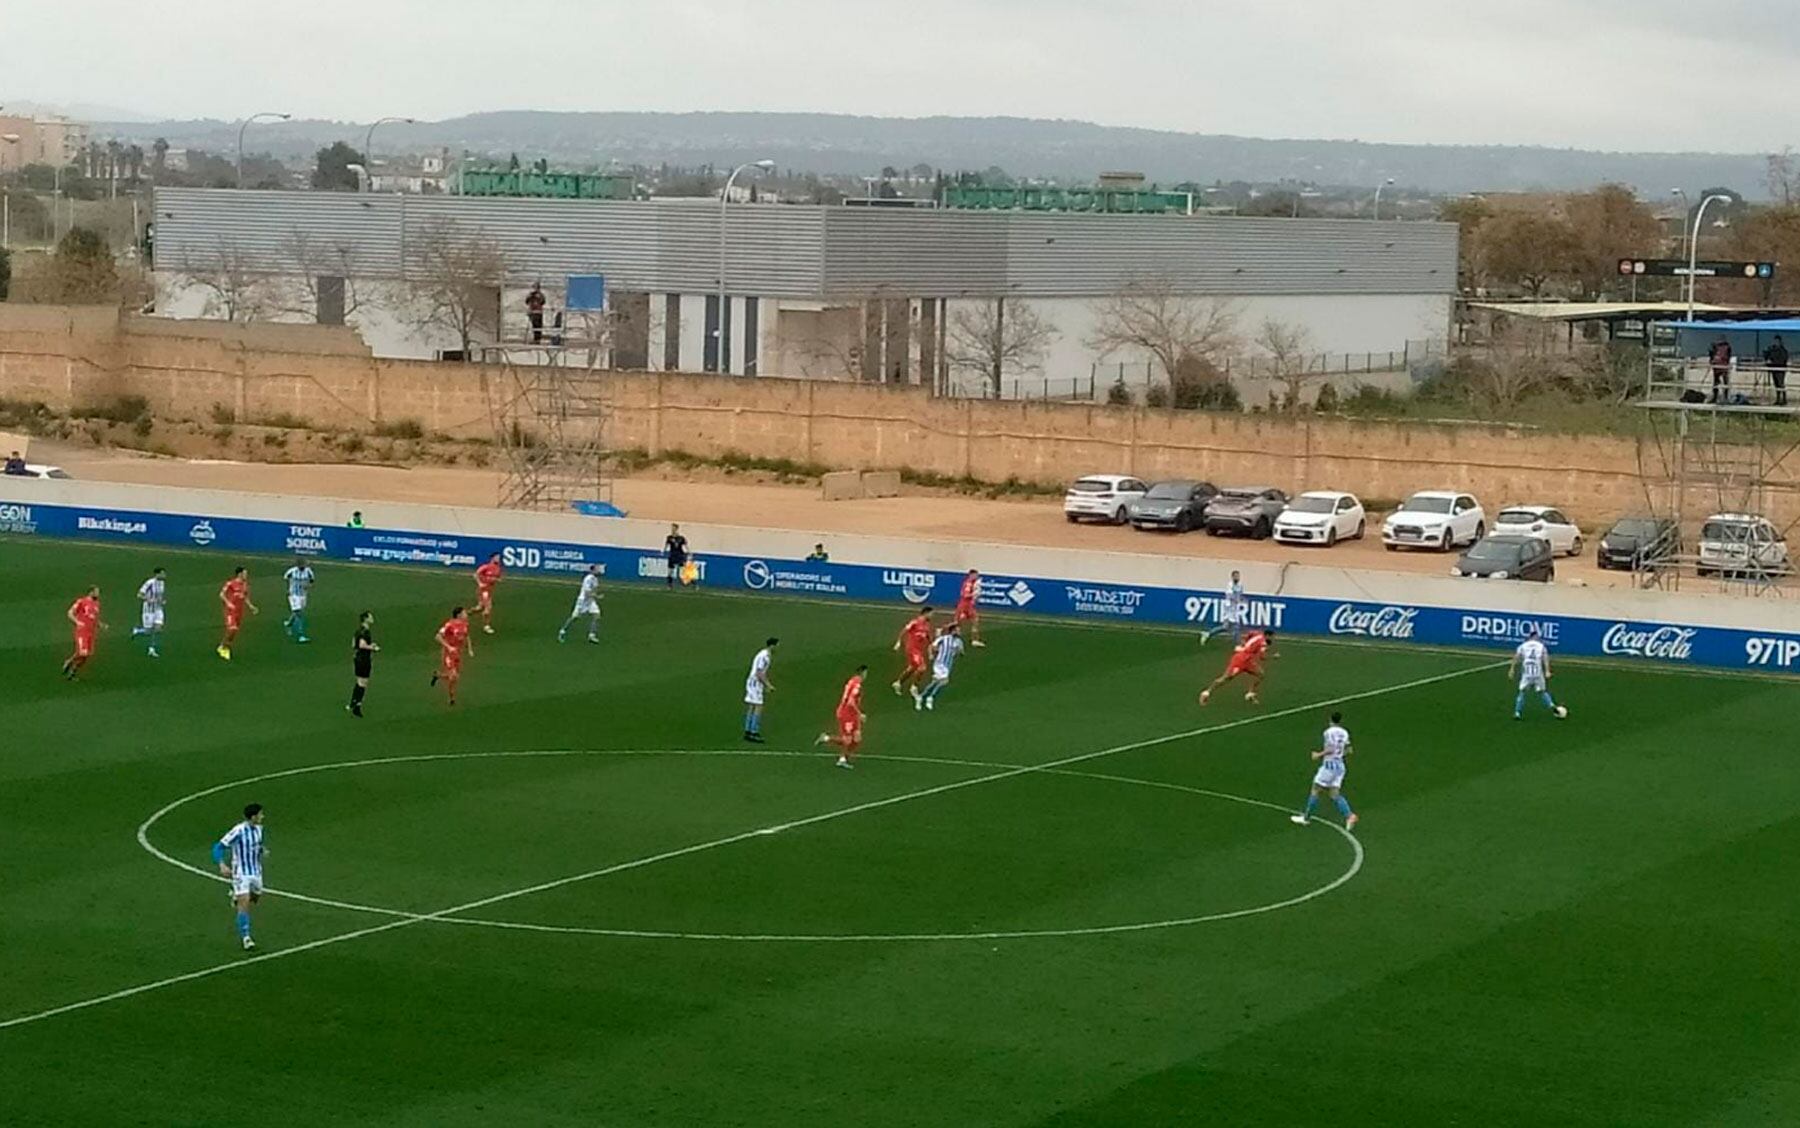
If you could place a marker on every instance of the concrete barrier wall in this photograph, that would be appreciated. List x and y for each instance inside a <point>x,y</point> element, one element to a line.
<point>70,357</point>
<point>1713,630</point>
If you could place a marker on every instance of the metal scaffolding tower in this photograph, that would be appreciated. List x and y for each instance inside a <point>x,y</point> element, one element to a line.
<point>1698,459</point>
<point>550,405</point>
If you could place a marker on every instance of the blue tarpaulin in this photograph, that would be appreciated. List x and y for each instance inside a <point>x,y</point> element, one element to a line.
<point>1747,338</point>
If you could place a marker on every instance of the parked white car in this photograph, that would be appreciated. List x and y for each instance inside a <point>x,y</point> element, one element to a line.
<point>1103,497</point>
<point>38,470</point>
<point>1742,542</point>
<point>1440,519</point>
<point>1321,517</point>
<point>1543,522</point>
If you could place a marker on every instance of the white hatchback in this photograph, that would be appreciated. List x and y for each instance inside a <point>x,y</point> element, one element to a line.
<point>1440,519</point>
<point>1543,522</point>
<point>1103,497</point>
<point>1321,517</point>
<point>37,470</point>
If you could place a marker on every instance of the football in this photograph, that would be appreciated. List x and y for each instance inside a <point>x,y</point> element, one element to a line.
<point>1562,710</point>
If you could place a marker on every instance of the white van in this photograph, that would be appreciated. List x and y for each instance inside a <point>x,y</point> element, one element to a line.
<point>1742,542</point>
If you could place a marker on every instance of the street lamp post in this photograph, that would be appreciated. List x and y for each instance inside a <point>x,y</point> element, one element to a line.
<point>1694,248</point>
<point>369,142</point>
<point>1388,183</point>
<point>1686,207</point>
<point>6,199</point>
<point>269,114</point>
<point>722,350</point>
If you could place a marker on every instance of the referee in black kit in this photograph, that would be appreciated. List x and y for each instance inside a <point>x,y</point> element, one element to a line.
<point>363,657</point>
<point>675,549</point>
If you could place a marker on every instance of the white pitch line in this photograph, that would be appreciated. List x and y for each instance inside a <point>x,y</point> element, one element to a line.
<point>700,847</point>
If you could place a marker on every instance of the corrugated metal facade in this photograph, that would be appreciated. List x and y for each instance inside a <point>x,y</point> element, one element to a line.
<point>672,246</point>
<point>924,254</point>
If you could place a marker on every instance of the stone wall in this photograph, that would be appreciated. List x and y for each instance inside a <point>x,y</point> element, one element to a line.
<point>69,357</point>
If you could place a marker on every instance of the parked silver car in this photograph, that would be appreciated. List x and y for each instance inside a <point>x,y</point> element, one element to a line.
<point>1245,510</point>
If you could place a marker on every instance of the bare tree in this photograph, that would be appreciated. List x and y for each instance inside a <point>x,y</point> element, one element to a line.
<point>997,336</point>
<point>1181,331</point>
<point>235,289</point>
<point>1521,360</point>
<point>1292,363</point>
<point>454,279</point>
<point>822,357</point>
<point>325,277</point>
<point>1783,176</point>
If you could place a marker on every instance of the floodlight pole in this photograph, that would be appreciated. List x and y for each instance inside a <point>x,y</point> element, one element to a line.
<point>1694,248</point>
<point>721,339</point>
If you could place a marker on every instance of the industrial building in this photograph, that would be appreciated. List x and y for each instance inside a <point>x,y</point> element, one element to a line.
<point>827,292</point>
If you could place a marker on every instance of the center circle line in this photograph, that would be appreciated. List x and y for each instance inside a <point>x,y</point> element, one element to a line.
<point>1342,879</point>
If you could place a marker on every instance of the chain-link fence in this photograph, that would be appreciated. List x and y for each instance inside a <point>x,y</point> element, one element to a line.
<point>1252,373</point>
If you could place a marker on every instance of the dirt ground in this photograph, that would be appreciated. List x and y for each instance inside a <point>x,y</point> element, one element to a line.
<point>713,499</point>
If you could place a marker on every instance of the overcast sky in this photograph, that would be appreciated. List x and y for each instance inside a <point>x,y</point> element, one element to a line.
<point>1607,74</point>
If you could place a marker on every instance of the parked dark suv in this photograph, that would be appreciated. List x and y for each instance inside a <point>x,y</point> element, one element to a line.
<point>1508,558</point>
<point>1633,542</point>
<point>1178,505</point>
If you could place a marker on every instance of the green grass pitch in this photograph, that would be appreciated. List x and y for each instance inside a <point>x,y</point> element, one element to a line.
<point>1578,922</point>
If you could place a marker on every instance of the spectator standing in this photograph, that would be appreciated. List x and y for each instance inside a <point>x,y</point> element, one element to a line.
<point>356,521</point>
<point>818,555</point>
<point>534,312</point>
<point>1719,356</point>
<point>1776,357</point>
<point>15,465</point>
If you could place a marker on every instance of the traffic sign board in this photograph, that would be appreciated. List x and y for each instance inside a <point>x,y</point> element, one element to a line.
<point>1706,268</point>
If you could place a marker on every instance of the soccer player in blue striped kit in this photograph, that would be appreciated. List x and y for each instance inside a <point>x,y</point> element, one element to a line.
<point>1334,749</point>
<point>239,856</point>
<point>1531,662</point>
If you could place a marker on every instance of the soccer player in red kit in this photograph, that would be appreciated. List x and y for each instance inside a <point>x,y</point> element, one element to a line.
<point>849,719</point>
<point>453,641</point>
<point>486,577</point>
<point>1246,659</point>
<point>915,641</point>
<point>235,595</point>
<point>84,616</point>
<point>965,607</point>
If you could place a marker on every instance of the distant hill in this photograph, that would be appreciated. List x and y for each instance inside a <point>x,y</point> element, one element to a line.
<point>80,111</point>
<point>841,144</point>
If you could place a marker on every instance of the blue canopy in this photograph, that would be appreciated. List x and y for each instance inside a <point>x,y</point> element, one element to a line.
<point>1767,325</point>
<point>1747,338</point>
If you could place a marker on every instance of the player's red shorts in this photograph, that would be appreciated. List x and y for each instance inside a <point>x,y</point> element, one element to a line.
<point>451,663</point>
<point>1243,666</point>
<point>915,658</point>
<point>484,599</point>
<point>234,618</point>
<point>965,611</point>
<point>850,729</point>
<point>84,644</point>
